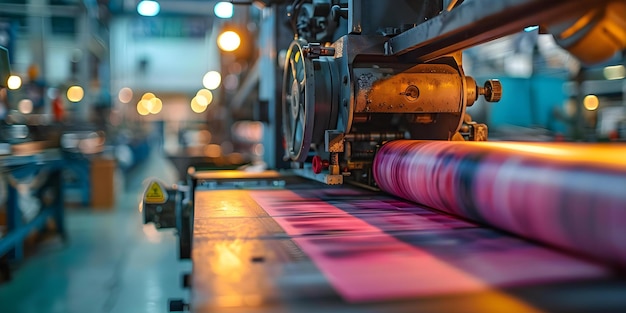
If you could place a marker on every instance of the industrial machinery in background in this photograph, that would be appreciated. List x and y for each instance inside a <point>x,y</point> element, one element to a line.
<point>362,73</point>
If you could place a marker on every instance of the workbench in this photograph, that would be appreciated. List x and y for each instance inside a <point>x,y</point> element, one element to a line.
<point>36,177</point>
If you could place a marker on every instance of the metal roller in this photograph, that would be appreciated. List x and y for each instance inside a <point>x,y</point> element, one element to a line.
<point>570,196</point>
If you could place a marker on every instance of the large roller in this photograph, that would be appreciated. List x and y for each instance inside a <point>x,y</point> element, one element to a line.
<point>570,196</point>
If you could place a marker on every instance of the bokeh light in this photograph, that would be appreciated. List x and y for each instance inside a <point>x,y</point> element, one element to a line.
<point>155,105</point>
<point>142,108</point>
<point>148,96</point>
<point>204,97</point>
<point>125,95</point>
<point>201,100</point>
<point>212,80</point>
<point>196,107</point>
<point>228,41</point>
<point>145,104</point>
<point>14,82</point>
<point>25,106</point>
<point>148,8</point>
<point>591,102</point>
<point>223,9</point>
<point>75,93</point>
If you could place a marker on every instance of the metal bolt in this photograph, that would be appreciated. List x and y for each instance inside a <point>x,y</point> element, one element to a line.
<point>492,91</point>
<point>412,93</point>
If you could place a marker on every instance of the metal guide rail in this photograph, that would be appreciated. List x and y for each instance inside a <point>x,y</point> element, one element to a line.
<point>302,246</point>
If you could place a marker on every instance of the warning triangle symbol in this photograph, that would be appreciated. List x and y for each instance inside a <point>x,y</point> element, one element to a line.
<point>155,193</point>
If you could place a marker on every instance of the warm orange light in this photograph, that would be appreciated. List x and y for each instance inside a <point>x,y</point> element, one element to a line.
<point>612,155</point>
<point>591,102</point>
<point>201,100</point>
<point>204,97</point>
<point>197,107</point>
<point>75,93</point>
<point>142,108</point>
<point>155,105</point>
<point>148,96</point>
<point>228,41</point>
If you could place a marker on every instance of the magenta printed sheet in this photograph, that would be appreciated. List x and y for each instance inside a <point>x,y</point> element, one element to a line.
<point>378,248</point>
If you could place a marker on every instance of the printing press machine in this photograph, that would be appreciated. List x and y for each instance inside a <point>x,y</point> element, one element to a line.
<point>387,203</point>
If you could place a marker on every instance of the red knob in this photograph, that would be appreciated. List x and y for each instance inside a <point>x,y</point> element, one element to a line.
<point>317,164</point>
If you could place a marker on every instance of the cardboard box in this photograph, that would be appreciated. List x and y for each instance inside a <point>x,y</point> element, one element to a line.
<point>102,183</point>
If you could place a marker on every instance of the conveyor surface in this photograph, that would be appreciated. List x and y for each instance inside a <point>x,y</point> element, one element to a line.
<point>307,247</point>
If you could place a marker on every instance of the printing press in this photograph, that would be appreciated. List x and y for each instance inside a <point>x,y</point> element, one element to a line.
<point>384,195</point>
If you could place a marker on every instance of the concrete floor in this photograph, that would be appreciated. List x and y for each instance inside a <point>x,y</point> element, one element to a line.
<point>111,262</point>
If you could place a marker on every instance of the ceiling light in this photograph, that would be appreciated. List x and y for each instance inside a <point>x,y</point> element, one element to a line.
<point>223,10</point>
<point>148,8</point>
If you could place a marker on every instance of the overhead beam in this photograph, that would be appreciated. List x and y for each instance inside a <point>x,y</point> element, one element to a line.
<point>478,21</point>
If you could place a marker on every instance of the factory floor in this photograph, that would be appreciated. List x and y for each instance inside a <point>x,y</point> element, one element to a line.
<point>110,262</point>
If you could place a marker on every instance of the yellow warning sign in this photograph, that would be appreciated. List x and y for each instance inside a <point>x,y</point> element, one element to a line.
<point>155,194</point>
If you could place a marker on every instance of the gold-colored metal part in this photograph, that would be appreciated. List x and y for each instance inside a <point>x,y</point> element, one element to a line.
<point>425,88</point>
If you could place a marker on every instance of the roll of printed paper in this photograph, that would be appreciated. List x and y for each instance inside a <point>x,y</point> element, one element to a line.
<point>571,196</point>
